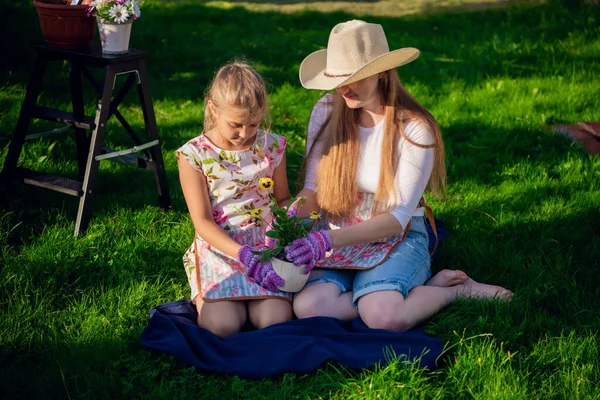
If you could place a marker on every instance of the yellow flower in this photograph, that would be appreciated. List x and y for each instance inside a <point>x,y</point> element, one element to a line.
<point>257,212</point>
<point>265,183</point>
<point>314,215</point>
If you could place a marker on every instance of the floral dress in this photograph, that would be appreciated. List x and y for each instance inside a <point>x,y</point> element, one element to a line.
<point>239,192</point>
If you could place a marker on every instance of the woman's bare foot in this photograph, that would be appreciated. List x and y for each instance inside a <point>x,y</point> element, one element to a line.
<point>475,290</point>
<point>447,277</point>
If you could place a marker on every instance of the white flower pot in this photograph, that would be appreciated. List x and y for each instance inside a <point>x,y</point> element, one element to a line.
<point>294,276</point>
<point>114,37</point>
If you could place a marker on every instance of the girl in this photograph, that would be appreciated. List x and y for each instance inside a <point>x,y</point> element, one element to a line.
<point>372,150</point>
<point>228,174</point>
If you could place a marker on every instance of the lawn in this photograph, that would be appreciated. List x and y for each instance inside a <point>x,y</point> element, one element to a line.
<point>522,206</point>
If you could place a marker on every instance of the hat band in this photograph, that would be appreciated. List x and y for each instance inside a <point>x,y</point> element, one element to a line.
<point>335,75</point>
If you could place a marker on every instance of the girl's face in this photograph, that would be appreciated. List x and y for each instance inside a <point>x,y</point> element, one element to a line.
<point>235,130</point>
<point>362,94</point>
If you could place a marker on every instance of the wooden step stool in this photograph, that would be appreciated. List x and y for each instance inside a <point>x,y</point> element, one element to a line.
<point>90,149</point>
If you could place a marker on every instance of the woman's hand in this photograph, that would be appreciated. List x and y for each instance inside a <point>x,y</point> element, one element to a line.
<point>262,272</point>
<point>308,250</point>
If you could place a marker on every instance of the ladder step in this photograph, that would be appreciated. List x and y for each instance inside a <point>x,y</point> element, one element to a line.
<point>128,159</point>
<point>63,117</point>
<point>56,183</point>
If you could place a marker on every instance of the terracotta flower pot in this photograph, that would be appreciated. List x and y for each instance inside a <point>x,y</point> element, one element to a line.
<point>64,26</point>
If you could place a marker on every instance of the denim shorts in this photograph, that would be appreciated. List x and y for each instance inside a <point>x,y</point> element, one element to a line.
<point>408,265</point>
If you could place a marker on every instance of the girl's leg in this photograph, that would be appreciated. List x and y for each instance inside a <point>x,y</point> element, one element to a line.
<point>324,300</point>
<point>269,312</point>
<point>391,311</point>
<point>223,318</point>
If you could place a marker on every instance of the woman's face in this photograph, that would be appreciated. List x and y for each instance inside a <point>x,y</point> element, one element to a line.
<point>362,94</point>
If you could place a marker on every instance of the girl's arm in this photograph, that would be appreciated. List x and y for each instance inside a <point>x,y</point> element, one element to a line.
<point>195,191</point>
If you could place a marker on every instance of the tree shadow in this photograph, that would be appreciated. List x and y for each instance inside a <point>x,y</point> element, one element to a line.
<point>188,42</point>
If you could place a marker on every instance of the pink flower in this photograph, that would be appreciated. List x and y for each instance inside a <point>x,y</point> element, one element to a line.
<point>204,145</point>
<point>281,146</point>
<point>337,257</point>
<point>219,216</point>
<point>263,292</point>
<point>239,237</point>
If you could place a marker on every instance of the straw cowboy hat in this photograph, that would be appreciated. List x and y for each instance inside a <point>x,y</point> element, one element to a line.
<point>356,50</point>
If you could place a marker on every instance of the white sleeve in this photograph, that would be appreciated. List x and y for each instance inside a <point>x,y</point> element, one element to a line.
<point>414,170</point>
<point>319,114</point>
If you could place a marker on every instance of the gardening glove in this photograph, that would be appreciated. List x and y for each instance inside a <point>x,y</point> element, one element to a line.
<point>308,250</point>
<point>261,272</point>
<point>272,242</point>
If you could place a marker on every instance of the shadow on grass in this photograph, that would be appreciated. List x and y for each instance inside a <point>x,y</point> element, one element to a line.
<point>188,42</point>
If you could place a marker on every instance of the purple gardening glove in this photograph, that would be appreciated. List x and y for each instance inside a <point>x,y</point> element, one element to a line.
<point>262,273</point>
<point>272,242</point>
<point>308,250</point>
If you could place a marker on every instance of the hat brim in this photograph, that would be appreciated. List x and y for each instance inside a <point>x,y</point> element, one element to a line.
<point>312,69</point>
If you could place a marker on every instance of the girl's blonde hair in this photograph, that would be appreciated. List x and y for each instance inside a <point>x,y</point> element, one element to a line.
<point>238,85</point>
<point>336,176</point>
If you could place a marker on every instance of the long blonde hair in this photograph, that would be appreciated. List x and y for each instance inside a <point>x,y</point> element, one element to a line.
<point>336,176</point>
<point>236,84</point>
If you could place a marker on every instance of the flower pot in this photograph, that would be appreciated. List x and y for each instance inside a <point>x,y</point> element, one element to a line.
<point>114,37</point>
<point>294,277</point>
<point>64,26</point>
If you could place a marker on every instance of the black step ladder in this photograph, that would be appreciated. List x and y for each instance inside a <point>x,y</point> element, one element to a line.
<point>90,149</point>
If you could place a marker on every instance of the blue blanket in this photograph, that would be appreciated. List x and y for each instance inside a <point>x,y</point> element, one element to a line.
<point>298,346</point>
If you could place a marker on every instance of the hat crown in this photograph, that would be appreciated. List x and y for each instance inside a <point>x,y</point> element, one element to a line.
<point>354,44</point>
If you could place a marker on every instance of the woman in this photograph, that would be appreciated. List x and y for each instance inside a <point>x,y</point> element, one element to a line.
<point>372,149</point>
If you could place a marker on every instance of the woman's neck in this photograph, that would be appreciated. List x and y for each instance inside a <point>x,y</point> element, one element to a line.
<point>371,114</point>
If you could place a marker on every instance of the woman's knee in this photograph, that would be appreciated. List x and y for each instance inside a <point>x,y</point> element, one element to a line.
<point>384,310</point>
<point>315,300</point>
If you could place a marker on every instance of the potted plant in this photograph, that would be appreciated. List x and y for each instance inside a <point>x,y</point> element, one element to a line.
<point>114,23</point>
<point>65,26</point>
<point>286,227</point>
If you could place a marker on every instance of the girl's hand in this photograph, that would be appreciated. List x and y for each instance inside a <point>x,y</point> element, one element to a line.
<point>308,250</point>
<point>261,272</point>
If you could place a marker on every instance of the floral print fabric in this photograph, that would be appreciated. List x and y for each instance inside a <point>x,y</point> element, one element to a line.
<point>239,186</point>
<point>361,256</point>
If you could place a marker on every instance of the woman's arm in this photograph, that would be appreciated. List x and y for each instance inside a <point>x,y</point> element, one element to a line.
<point>195,191</point>
<point>281,190</point>
<point>414,169</point>
<point>310,203</point>
<point>378,227</point>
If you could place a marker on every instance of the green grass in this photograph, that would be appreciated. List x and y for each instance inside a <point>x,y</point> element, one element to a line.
<point>522,207</point>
